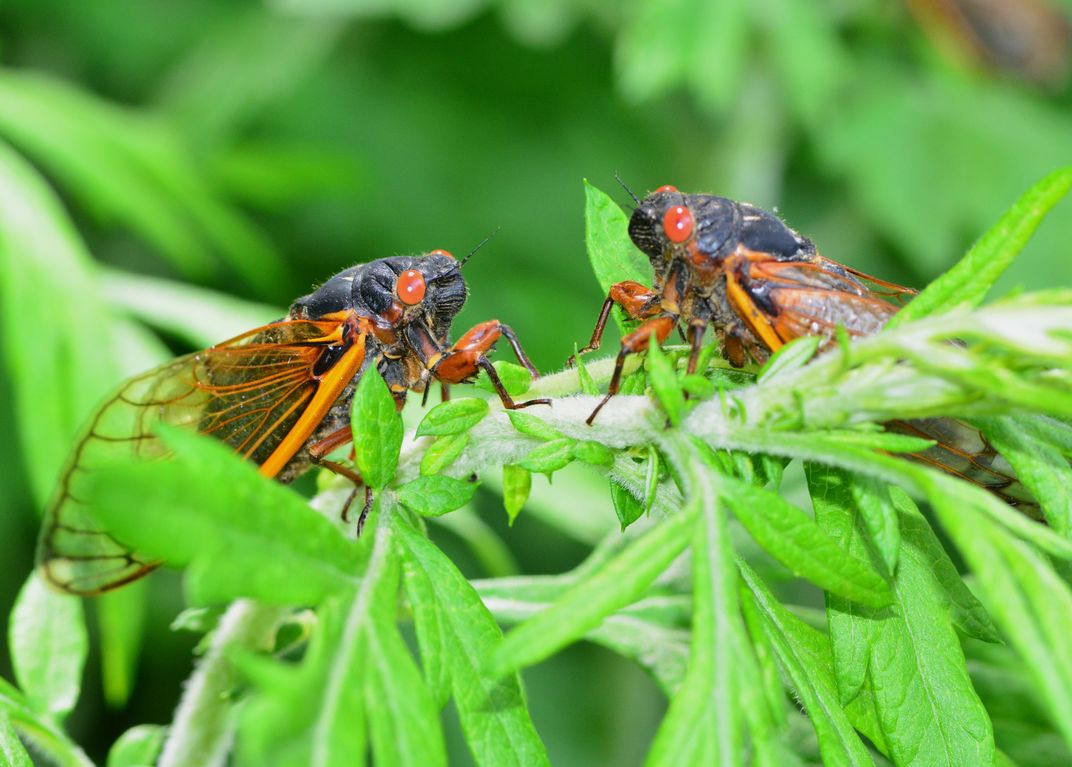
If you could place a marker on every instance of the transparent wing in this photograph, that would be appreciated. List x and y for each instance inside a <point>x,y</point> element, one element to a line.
<point>803,298</point>
<point>247,392</point>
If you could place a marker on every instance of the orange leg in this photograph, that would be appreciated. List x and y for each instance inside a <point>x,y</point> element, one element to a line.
<point>638,301</point>
<point>469,355</point>
<point>325,446</point>
<point>658,327</point>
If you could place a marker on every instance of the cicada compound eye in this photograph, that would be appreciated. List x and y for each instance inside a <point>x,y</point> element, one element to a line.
<point>410,287</point>
<point>678,224</point>
<point>666,188</point>
<point>441,252</point>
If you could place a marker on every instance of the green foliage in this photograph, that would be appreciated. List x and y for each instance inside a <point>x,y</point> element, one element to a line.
<point>377,429</point>
<point>203,143</point>
<point>453,417</point>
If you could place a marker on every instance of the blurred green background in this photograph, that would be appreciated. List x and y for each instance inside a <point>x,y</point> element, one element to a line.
<point>253,149</point>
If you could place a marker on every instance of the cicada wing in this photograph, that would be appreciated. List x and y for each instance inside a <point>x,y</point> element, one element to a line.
<point>247,392</point>
<point>791,299</point>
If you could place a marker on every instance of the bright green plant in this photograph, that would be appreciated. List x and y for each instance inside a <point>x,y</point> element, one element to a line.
<point>912,660</point>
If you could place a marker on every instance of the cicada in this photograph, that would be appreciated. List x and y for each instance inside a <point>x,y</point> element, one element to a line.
<point>741,271</point>
<point>278,395</point>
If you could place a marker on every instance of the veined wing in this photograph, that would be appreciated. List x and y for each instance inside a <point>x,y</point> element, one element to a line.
<point>784,300</point>
<point>261,393</point>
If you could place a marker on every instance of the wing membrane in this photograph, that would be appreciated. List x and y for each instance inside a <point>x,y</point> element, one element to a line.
<point>804,298</point>
<point>247,392</point>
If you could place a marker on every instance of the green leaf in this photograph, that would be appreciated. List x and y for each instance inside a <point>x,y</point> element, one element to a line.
<point>594,453</point>
<point>12,752</point>
<point>704,722</point>
<point>492,710</point>
<point>907,654</point>
<point>515,378</point>
<point>611,586</point>
<point>971,278</point>
<point>805,657</point>
<point>793,356</point>
<point>548,457</point>
<point>121,620</point>
<point>533,426</point>
<point>38,728</point>
<point>239,533</point>
<point>47,637</point>
<point>651,478</point>
<point>626,506</point>
<point>442,453</point>
<point>402,714</point>
<point>137,747</point>
<point>433,632</point>
<point>1027,599</point>
<point>612,254</point>
<point>790,536</point>
<point>435,495</point>
<point>453,417</point>
<point>647,631</point>
<point>197,315</point>
<point>697,386</point>
<point>879,516</point>
<point>664,383</point>
<point>377,428</point>
<point>133,168</point>
<point>312,712</point>
<point>517,483</point>
<point>587,383</point>
<point>1040,465</point>
<point>60,355</point>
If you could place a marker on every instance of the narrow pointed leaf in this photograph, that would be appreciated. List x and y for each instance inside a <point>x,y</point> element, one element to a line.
<point>517,483</point>
<point>435,495</point>
<point>792,537</point>
<point>496,722</point>
<point>453,417</point>
<point>377,429</point>
<point>442,453</point>
<point>611,586</point>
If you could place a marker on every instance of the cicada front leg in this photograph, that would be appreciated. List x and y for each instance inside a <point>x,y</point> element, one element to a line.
<point>469,355</point>
<point>658,328</point>
<point>638,301</point>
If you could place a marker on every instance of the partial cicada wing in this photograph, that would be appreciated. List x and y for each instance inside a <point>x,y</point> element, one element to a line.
<point>250,393</point>
<point>784,300</point>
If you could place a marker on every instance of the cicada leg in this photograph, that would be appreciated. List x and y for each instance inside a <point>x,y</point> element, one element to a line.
<point>325,446</point>
<point>638,301</point>
<point>657,327</point>
<point>469,355</point>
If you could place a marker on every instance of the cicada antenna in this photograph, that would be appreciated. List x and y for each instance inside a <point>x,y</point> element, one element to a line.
<point>624,186</point>
<point>482,243</point>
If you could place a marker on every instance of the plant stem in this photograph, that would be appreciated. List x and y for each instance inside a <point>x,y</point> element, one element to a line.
<point>203,728</point>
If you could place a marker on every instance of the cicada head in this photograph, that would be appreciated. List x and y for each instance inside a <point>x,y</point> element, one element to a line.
<point>668,225</point>
<point>406,289</point>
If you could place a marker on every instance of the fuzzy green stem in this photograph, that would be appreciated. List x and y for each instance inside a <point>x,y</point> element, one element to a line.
<point>202,731</point>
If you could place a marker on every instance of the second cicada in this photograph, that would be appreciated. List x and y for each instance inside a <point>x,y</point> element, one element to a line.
<point>740,271</point>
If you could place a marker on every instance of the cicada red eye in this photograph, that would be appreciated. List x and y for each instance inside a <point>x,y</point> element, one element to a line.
<point>678,224</point>
<point>666,188</point>
<point>410,287</point>
<point>441,252</point>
